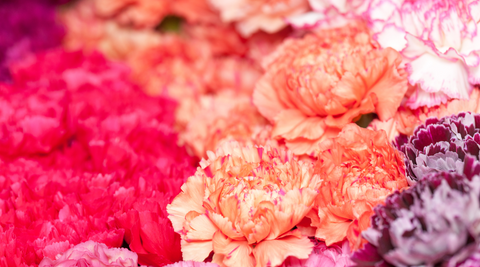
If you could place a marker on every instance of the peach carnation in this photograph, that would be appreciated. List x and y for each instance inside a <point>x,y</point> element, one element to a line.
<point>149,13</point>
<point>316,85</point>
<point>243,204</point>
<point>222,118</point>
<point>86,30</point>
<point>359,169</point>
<point>253,15</point>
<point>139,13</point>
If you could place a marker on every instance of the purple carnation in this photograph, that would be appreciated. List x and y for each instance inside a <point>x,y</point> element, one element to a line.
<point>434,222</point>
<point>27,26</point>
<point>440,145</point>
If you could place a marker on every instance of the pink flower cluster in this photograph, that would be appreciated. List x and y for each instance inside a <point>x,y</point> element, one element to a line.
<point>86,156</point>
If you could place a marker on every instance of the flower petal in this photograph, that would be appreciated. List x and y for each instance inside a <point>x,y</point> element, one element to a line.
<point>274,252</point>
<point>232,253</point>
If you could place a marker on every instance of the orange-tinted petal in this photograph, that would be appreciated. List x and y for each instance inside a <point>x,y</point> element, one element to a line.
<point>274,252</point>
<point>232,253</point>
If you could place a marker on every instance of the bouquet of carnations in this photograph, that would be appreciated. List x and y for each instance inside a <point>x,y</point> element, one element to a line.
<point>239,133</point>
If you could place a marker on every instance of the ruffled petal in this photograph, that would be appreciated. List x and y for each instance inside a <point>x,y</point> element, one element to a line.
<point>232,253</point>
<point>274,252</point>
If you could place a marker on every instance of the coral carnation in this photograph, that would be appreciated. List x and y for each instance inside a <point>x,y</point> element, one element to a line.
<point>243,204</point>
<point>359,170</point>
<point>439,41</point>
<point>316,85</point>
<point>93,254</point>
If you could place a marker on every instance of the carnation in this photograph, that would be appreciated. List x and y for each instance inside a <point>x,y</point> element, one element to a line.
<point>192,264</point>
<point>111,122</point>
<point>51,210</point>
<point>316,85</point>
<point>102,161</point>
<point>148,14</point>
<point>442,61</point>
<point>432,223</point>
<point>93,254</point>
<point>359,169</point>
<point>336,255</point>
<point>440,145</point>
<point>139,13</point>
<point>252,16</point>
<point>242,204</point>
<point>27,27</point>
<point>224,117</point>
<point>32,121</point>
<point>330,14</point>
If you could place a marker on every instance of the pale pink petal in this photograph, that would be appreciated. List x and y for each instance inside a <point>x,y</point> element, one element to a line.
<point>391,36</point>
<point>196,251</point>
<point>435,74</point>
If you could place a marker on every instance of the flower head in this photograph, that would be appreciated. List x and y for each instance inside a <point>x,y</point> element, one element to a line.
<point>243,204</point>
<point>440,145</point>
<point>359,169</point>
<point>336,255</point>
<point>27,27</point>
<point>439,42</point>
<point>224,117</point>
<point>316,85</point>
<point>192,264</point>
<point>251,15</point>
<point>93,254</point>
<point>330,14</point>
<point>435,222</point>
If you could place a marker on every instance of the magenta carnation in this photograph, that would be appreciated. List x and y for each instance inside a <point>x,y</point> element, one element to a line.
<point>28,26</point>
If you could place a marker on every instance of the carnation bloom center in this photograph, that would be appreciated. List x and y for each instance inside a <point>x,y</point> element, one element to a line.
<point>256,193</point>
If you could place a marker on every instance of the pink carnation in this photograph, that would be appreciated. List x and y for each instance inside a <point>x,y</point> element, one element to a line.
<point>32,121</point>
<point>336,255</point>
<point>109,179</point>
<point>93,254</point>
<point>192,264</point>
<point>439,41</point>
